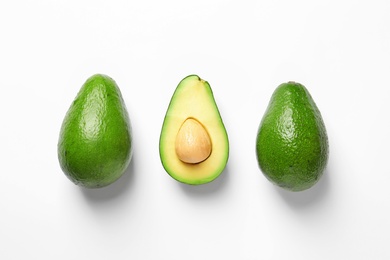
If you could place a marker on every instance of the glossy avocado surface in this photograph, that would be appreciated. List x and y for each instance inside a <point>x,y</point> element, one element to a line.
<point>95,142</point>
<point>292,143</point>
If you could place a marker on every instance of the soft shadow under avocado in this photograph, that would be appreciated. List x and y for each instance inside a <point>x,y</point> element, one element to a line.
<point>207,189</point>
<point>120,187</point>
<point>303,199</point>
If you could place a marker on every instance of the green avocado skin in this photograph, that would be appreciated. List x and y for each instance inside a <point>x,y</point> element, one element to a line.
<point>292,144</point>
<point>95,142</point>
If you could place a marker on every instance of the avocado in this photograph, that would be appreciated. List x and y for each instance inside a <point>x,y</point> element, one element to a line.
<point>292,143</point>
<point>194,145</point>
<point>95,142</point>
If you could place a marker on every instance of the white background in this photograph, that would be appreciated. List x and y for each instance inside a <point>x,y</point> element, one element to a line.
<point>340,50</point>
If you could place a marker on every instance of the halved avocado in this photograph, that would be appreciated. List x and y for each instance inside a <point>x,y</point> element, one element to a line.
<point>194,146</point>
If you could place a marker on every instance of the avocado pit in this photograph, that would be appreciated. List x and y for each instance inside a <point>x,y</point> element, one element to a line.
<point>193,143</point>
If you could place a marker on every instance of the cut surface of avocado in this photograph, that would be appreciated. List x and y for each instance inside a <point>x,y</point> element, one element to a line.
<point>194,146</point>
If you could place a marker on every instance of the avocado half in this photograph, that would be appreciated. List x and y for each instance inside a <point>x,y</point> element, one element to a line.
<point>194,145</point>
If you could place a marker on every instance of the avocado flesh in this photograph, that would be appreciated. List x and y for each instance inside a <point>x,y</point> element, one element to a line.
<point>193,99</point>
<point>292,143</point>
<point>95,143</point>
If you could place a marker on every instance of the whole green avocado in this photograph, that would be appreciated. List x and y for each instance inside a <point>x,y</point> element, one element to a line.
<point>292,143</point>
<point>95,142</point>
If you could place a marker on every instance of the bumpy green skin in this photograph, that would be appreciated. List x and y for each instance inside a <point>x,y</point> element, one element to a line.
<point>292,143</point>
<point>95,143</point>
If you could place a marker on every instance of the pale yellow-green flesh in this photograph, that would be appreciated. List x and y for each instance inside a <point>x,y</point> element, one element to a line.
<point>194,99</point>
